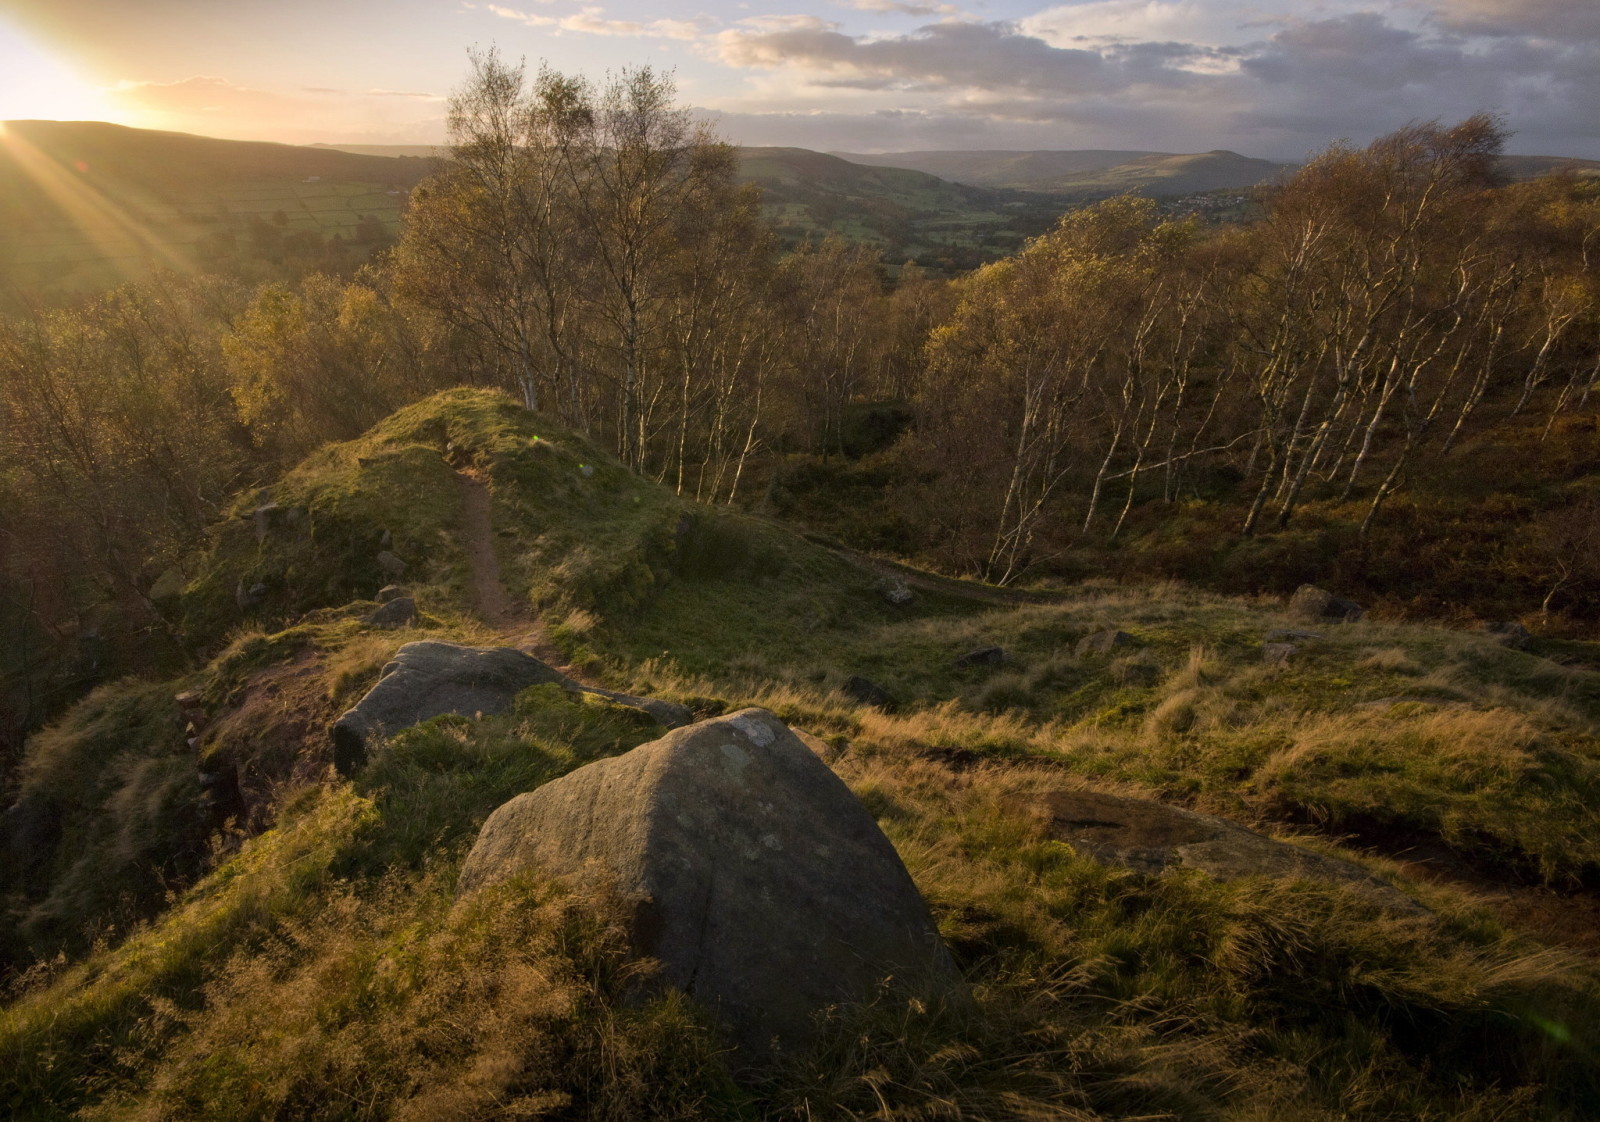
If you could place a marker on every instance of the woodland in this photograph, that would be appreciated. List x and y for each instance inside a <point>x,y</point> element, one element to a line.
<point>1386,383</point>
<point>590,404</point>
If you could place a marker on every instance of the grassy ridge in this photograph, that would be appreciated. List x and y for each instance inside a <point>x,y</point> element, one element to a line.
<point>319,969</point>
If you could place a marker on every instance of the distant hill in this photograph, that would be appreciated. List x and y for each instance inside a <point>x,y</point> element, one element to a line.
<point>1084,173</point>
<point>425,151</point>
<point>1532,167</point>
<point>907,213</point>
<point>85,205</point>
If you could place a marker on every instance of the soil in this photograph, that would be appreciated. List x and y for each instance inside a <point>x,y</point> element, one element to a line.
<point>512,619</point>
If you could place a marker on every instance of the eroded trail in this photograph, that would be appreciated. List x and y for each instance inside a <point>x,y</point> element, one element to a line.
<point>513,620</point>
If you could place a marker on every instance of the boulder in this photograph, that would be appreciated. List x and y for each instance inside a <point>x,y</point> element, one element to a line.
<point>1509,633</point>
<point>430,678</point>
<point>391,564</point>
<point>1311,603</point>
<point>1277,654</point>
<point>1149,837</point>
<point>752,875</point>
<point>392,592</point>
<point>868,692</point>
<point>895,591</point>
<point>1102,642</point>
<point>250,596</point>
<point>1290,635</point>
<point>264,517</point>
<point>983,656</point>
<point>399,612</point>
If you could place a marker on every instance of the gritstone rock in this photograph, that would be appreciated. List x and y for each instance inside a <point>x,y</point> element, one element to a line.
<point>1102,642</point>
<point>983,656</point>
<point>1149,837</point>
<point>399,612</point>
<point>868,692</point>
<point>391,564</point>
<point>1276,654</point>
<point>1311,603</point>
<point>392,592</point>
<point>1510,634</point>
<point>757,880</point>
<point>1290,635</point>
<point>895,591</point>
<point>430,678</point>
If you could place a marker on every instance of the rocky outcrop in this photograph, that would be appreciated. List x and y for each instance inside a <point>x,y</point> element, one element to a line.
<point>430,678</point>
<point>1510,633</point>
<point>1102,642</point>
<point>983,656</point>
<point>868,692</point>
<point>1149,837</point>
<point>756,879</point>
<point>399,612</point>
<point>1310,603</point>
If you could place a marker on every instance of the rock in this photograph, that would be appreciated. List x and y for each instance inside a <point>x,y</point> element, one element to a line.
<point>1102,642</point>
<point>983,656</point>
<point>1277,654</point>
<point>386,540</point>
<point>391,564</point>
<point>666,713</point>
<point>1150,837</point>
<point>868,692</point>
<point>250,597</point>
<point>430,678</point>
<point>392,592</point>
<point>754,877</point>
<point>1290,635</point>
<point>399,612</point>
<point>1312,603</point>
<point>264,516</point>
<point>1511,634</point>
<point>895,591</point>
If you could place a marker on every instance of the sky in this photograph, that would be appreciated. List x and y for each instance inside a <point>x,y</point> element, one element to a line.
<point>1271,78</point>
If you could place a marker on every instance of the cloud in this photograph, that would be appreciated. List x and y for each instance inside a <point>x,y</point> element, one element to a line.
<point>944,55</point>
<point>200,94</point>
<point>1208,74</point>
<point>1566,20</point>
<point>593,21</point>
<point>404,93</point>
<point>899,7</point>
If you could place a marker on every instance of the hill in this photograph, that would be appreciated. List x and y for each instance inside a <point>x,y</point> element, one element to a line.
<point>85,205</point>
<point>1089,173</point>
<point>247,933</point>
<point>908,213</point>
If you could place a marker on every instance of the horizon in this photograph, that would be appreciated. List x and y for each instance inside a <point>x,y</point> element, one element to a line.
<point>1277,80</point>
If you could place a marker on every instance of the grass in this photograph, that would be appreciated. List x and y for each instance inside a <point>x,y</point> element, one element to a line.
<point>320,968</point>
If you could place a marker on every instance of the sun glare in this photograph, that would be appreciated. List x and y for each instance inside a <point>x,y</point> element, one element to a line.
<point>36,84</point>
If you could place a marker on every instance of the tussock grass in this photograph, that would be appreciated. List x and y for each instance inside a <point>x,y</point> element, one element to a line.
<point>320,969</point>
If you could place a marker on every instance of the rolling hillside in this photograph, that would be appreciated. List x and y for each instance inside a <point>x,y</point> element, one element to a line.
<point>86,205</point>
<point>1088,172</point>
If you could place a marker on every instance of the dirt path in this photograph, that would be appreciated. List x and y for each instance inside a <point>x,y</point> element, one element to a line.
<point>519,626</point>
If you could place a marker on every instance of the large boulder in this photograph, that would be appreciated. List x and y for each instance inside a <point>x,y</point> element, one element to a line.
<point>756,879</point>
<point>1150,836</point>
<point>430,678</point>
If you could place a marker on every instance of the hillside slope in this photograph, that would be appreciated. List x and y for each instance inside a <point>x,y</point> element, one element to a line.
<point>303,956</point>
<point>1090,173</point>
<point>85,205</point>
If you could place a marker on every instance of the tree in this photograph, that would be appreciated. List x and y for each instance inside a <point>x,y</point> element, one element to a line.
<point>562,240</point>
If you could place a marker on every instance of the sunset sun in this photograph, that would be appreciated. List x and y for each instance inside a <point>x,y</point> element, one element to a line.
<point>36,84</point>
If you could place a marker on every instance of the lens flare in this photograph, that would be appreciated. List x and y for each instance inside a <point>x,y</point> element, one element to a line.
<point>36,84</point>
